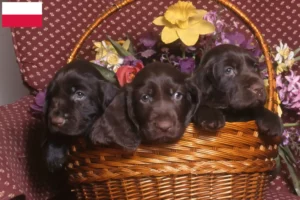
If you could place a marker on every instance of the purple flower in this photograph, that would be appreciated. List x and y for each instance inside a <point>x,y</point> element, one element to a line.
<point>235,38</point>
<point>39,102</point>
<point>130,60</point>
<point>286,136</point>
<point>210,16</point>
<point>149,40</point>
<point>148,53</point>
<point>187,65</point>
<point>289,91</point>
<point>220,25</point>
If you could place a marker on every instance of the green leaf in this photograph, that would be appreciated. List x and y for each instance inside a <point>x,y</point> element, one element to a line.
<point>130,48</point>
<point>297,59</point>
<point>121,51</point>
<point>288,153</point>
<point>297,51</point>
<point>295,179</point>
<point>278,164</point>
<point>106,73</point>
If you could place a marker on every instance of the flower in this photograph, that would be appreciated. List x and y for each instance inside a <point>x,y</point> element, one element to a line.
<point>148,53</point>
<point>126,73</point>
<point>39,102</point>
<point>106,55</point>
<point>149,40</point>
<point>282,52</point>
<point>187,65</point>
<point>102,49</point>
<point>235,38</point>
<point>213,18</point>
<point>289,91</point>
<point>130,60</point>
<point>183,21</point>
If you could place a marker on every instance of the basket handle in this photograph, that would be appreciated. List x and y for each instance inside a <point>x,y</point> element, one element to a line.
<point>271,90</point>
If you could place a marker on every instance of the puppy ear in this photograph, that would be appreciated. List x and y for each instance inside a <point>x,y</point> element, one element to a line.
<point>115,126</point>
<point>129,107</point>
<point>48,97</point>
<point>107,91</point>
<point>194,96</point>
<point>204,78</point>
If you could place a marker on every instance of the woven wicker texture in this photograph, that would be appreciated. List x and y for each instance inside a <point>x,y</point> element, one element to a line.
<point>230,164</point>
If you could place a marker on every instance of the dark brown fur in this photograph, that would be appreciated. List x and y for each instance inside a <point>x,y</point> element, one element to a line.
<point>155,108</point>
<point>232,90</point>
<point>77,95</point>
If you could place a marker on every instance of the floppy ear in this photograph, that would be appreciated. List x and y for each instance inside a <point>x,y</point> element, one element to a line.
<point>107,91</point>
<point>48,97</point>
<point>205,80</point>
<point>114,126</point>
<point>194,95</point>
<point>129,107</point>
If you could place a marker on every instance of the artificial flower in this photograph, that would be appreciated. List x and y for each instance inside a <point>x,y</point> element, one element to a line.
<point>106,55</point>
<point>126,73</point>
<point>289,91</point>
<point>283,52</point>
<point>187,65</point>
<point>103,48</point>
<point>213,18</point>
<point>149,40</point>
<point>39,102</point>
<point>281,67</point>
<point>183,21</point>
<point>148,53</point>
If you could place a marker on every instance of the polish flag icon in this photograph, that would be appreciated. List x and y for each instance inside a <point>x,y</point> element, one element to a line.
<point>22,14</point>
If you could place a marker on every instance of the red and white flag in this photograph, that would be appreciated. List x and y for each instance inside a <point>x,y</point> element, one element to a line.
<point>22,14</point>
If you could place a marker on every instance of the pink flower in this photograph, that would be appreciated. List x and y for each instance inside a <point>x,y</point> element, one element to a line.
<point>126,73</point>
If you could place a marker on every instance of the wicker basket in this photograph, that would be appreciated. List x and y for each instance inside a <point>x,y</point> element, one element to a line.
<point>230,164</point>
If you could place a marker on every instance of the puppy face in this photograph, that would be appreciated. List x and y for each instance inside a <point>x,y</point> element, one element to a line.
<point>229,77</point>
<point>162,103</point>
<point>75,97</point>
<point>155,107</point>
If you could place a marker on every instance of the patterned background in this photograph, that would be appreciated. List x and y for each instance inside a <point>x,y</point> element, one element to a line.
<point>41,51</point>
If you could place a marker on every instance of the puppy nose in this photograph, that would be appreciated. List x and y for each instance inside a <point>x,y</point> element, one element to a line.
<point>58,121</point>
<point>164,125</point>
<point>257,89</point>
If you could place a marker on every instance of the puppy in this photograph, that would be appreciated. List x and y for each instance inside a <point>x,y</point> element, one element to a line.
<point>77,95</point>
<point>155,108</point>
<point>232,90</point>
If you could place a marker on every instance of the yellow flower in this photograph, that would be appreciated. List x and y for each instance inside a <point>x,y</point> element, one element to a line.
<point>183,21</point>
<point>100,49</point>
<point>281,68</point>
<point>112,59</point>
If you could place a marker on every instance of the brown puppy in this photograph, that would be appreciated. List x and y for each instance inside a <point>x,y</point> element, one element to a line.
<point>155,108</point>
<point>76,96</point>
<point>232,90</point>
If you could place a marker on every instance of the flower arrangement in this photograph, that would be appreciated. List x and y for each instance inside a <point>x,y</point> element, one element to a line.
<point>187,33</point>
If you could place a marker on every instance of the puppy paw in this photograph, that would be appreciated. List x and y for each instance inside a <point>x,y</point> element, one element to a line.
<point>269,124</point>
<point>209,119</point>
<point>55,158</point>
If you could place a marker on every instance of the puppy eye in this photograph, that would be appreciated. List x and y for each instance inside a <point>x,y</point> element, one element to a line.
<point>79,95</point>
<point>146,98</point>
<point>177,96</point>
<point>229,71</point>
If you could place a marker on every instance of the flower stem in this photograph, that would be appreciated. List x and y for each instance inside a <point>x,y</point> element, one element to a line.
<point>291,124</point>
<point>183,53</point>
